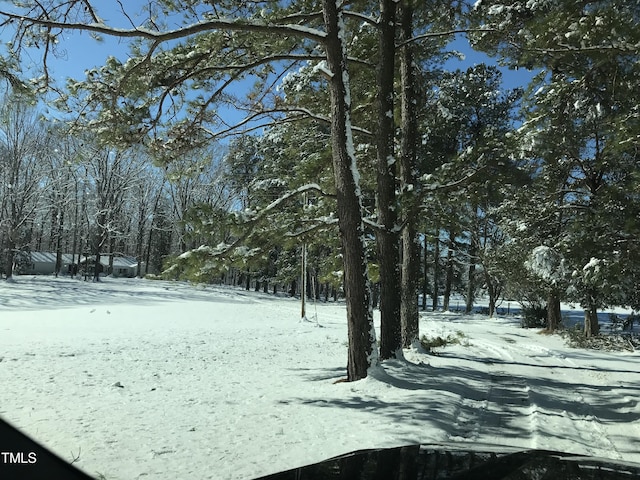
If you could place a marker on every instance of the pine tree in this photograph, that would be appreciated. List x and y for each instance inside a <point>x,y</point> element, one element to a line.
<point>582,131</point>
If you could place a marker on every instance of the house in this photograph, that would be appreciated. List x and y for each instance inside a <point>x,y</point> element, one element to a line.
<point>118,266</point>
<point>125,267</point>
<point>44,263</point>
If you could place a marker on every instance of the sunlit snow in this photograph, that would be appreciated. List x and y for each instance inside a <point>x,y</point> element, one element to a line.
<point>159,380</point>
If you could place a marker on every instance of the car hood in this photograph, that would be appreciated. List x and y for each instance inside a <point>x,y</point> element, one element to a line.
<point>456,461</point>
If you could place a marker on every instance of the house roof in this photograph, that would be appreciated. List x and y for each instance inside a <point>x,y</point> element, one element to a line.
<point>67,258</point>
<point>122,262</point>
<point>50,257</point>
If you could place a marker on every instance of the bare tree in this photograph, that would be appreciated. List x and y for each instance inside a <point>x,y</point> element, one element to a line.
<point>61,190</point>
<point>194,178</point>
<point>111,176</point>
<point>21,142</point>
<point>147,192</point>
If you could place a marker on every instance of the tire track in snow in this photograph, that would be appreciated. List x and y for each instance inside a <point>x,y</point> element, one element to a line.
<point>509,403</point>
<point>468,420</point>
<point>594,433</point>
<point>523,352</point>
<point>542,352</point>
<point>545,418</point>
<point>519,396</point>
<point>468,414</point>
<point>508,413</point>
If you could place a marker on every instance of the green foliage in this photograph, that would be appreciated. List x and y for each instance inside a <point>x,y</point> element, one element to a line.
<point>432,343</point>
<point>579,138</point>
<point>197,266</point>
<point>534,316</point>
<point>562,34</point>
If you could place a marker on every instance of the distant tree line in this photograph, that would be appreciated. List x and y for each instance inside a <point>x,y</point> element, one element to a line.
<point>68,193</point>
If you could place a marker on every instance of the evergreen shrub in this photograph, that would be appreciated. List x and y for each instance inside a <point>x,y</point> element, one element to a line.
<point>534,316</point>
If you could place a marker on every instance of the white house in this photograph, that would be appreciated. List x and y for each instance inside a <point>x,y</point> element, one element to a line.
<point>122,266</point>
<point>44,263</point>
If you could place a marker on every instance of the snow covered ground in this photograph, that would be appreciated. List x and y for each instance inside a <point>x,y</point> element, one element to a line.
<point>161,380</point>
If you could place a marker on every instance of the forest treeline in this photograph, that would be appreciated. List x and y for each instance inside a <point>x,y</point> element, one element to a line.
<point>355,148</point>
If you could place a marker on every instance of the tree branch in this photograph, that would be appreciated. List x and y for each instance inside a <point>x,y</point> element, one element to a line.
<point>321,225</point>
<point>252,218</point>
<point>445,33</point>
<point>193,29</point>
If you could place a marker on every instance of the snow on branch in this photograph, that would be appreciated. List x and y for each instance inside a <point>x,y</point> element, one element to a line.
<point>547,264</point>
<point>565,48</point>
<point>436,187</point>
<point>306,113</point>
<point>373,224</point>
<point>320,224</point>
<point>303,114</point>
<point>445,33</point>
<point>360,16</point>
<point>250,219</point>
<point>175,34</point>
<point>310,187</point>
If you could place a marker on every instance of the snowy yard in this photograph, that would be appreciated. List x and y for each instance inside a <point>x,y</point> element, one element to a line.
<point>160,380</point>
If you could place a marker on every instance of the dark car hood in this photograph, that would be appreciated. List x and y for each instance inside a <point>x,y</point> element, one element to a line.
<point>455,461</point>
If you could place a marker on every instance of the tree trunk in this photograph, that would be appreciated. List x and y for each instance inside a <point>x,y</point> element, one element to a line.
<point>448,279</point>
<point>425,273</point>
<point>100,239</point>
<point>96,266</point>
<point>303,279</point>
<point>387,236</point>
<point>140,233</point>
<point>362,339</point>
<point>76,227</point>
<point>471,284</point>
<point>59,232</point>
<point>408,159</point>
<point>554,317</point>
<point>591,325</point>
<point>436,270</point>
<point>471,289</point>
<point>316,285</point>
<point>409,292</point>
<point>493,290</point>
<point>147,258</point>
<point>11,248</point>
<point>154,214</point>
<point>112,249</point>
